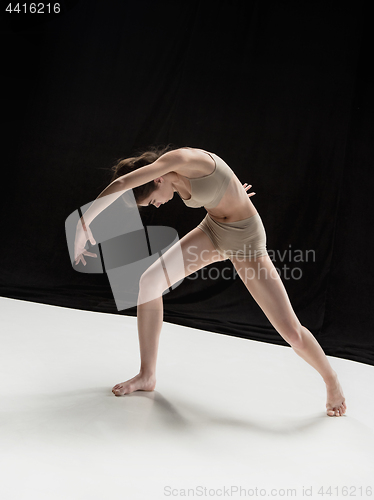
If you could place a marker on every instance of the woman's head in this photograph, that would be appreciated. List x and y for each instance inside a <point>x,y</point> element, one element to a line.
<point>127,165</point>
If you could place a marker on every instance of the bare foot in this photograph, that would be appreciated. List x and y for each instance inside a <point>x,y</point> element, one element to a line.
<point>335,399</point>
<point>138,383</point>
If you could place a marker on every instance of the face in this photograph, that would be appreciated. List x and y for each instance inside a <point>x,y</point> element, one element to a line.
<point>162,194</point>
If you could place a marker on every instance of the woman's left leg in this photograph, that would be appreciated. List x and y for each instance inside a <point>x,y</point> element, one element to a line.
<point>265,285</point>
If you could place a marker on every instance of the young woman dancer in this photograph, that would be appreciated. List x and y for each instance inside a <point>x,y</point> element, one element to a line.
<point>231,229</point>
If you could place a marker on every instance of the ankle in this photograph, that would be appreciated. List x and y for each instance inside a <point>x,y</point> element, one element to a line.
<point>331,379</point>
<point>147,373</point>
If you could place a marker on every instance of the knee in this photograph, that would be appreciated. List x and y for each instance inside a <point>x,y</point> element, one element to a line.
<point>145,280</point>
<point>150,285</point>
<point>294,335</point>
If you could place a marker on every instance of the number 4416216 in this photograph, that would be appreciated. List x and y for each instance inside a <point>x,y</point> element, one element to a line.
<point>34,8</point>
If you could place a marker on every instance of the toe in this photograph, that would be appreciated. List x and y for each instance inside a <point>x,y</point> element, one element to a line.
<point>330,413</point>
<point>337,412</point>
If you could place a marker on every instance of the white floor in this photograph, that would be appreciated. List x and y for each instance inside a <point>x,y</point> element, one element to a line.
<point>228,414</point>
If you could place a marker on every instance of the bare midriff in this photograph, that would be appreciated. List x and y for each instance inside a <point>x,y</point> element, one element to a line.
<point>235,204</point>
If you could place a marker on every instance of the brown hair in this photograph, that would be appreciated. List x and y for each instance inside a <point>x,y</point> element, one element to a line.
<point>142,158</point>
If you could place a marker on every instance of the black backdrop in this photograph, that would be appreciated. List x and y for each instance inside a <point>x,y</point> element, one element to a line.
<point>281,90</point>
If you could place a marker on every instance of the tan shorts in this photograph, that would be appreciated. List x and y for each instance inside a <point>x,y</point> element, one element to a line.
<point>242,239</point>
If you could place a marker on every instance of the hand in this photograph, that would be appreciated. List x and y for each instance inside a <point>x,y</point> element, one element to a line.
<point>82,235</point>
<point>248,187</point>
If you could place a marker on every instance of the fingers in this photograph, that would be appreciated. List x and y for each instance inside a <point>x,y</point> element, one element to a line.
<point>81,258</point>
<point>90,254</point>
<point>246,187</point>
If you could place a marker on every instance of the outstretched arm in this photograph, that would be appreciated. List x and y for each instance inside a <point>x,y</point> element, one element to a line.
<point>105,198</point>
<point>170,161</point>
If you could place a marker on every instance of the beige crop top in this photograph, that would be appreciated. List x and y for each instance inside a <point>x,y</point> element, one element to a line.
<point>207,191</point>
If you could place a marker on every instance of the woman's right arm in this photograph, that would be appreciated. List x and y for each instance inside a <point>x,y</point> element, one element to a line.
<point>170,161</point>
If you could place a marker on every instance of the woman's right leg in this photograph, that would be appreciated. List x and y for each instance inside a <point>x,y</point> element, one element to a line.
<point>198,251</point>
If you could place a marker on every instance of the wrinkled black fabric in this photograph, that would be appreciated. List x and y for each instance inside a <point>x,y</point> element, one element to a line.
<point>281,91</point>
